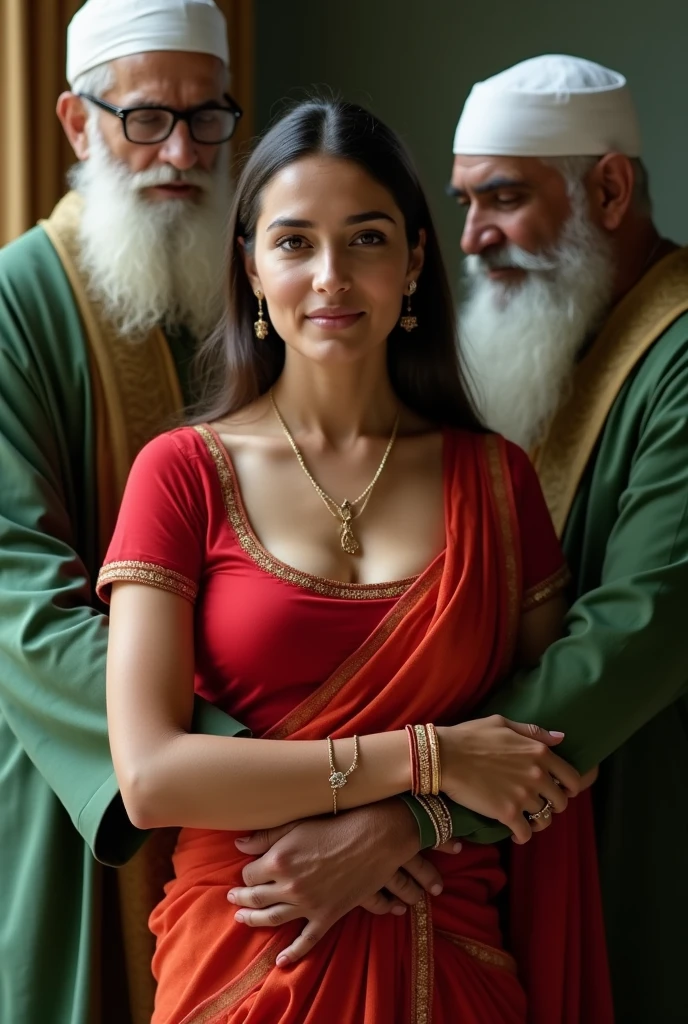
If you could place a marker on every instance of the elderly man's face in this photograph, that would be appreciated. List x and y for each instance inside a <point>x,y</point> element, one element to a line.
<point>153,217</point>
<point>177,80</point>
<point>518,200</point>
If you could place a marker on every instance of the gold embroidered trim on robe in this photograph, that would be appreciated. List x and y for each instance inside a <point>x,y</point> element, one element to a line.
<point>136,395</point>
<point>136,392</point>
<point>659,298</point>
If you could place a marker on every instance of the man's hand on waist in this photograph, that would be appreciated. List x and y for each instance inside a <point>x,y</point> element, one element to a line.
<point>322,868</point>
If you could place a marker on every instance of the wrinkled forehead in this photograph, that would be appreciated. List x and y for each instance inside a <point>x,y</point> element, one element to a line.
<point>476,175</point>
<point>171,78</point>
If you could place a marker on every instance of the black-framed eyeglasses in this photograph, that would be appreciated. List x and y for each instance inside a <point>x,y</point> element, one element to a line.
<point>209,124</point>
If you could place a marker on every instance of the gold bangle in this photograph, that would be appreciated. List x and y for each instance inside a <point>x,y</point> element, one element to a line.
<point>424,767</point>
<point>435,766</point>
<point>439,815</point>
<point>339,779</point>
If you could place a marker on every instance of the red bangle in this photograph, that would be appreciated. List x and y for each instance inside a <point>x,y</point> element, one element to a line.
<point>413,753</point>
<point>434,751</point>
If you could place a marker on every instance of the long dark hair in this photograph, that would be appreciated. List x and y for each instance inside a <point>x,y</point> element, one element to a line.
<point>424,365</point>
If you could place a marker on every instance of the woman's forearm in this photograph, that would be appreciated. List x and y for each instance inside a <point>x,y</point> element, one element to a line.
<point>168,776</point>
<point>236,784</point>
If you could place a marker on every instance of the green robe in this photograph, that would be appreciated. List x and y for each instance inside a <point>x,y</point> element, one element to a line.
<point>617,683</point>
<point>59,802</point>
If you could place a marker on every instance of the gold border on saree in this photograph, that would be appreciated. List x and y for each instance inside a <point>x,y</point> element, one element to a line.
<point>131,571</point>
<point>251,545</point>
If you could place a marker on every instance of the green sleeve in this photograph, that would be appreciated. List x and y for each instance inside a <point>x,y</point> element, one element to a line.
<point>52,639</point>
<point>466,823</point>
<point>425,829</point>
<point>625,654</point>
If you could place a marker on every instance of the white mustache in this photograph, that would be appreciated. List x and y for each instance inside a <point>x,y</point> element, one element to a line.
<point>167,175</point>
<point>509,257</point>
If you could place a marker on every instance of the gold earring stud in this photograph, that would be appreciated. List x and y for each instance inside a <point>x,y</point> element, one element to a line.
<point>409,322</point>
<point>260,326</point>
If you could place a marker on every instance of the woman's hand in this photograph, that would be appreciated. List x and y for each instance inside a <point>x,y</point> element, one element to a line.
<point>505,770</point>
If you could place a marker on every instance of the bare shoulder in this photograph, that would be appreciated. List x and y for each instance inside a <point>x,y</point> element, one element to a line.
<point>419,446</point>
<point>417,432</point>
<point>251,427</point>
<point>252,419</point>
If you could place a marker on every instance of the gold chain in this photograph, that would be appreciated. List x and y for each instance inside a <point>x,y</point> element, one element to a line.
<point>346,512</point>
<point>339,779</point>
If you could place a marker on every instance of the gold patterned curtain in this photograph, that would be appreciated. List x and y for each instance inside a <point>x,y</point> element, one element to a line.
<point>34,154</point>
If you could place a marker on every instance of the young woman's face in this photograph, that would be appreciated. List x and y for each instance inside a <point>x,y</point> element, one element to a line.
<point>331,258</point>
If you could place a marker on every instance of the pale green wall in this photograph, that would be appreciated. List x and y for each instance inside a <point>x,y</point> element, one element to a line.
<point>414,62</point>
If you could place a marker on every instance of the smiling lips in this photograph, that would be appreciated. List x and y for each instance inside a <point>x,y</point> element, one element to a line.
<point>334,318</point>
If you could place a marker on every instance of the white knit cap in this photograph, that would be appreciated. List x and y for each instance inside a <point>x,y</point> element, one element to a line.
<point>550,106</point>
<point>103,30</point>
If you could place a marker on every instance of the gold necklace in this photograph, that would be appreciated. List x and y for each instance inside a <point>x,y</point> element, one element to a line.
<point>346,512</point>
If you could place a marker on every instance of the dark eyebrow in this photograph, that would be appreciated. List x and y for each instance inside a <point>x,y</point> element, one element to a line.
<point>361,218</point>
<point>357,218</point>
<point>289,222</point>
<point>493,185</point>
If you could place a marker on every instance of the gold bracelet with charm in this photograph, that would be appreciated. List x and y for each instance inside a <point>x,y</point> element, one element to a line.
<point>337,779</point>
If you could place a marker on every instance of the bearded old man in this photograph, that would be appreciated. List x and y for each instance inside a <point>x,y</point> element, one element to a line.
<point>575,326</point>
<point>576,331</point>
<point>100,308</point>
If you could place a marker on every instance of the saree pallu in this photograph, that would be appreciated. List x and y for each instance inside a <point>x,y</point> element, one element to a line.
<point>444,645</point>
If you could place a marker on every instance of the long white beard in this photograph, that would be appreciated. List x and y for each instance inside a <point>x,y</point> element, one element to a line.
<point>147,262</point>
<point>520,343</point>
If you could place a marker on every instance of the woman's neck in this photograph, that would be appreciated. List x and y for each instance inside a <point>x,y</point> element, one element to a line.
<point>336,403</point>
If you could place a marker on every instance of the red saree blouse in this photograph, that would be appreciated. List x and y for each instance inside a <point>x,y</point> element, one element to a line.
<point>293,655</point>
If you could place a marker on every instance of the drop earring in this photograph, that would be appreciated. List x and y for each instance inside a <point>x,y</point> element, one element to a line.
<point>409,322</point>
<point>260,326</point>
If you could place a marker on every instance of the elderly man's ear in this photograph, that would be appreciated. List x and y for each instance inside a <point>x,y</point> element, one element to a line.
<point>611,183</point>
<point>73,116</point>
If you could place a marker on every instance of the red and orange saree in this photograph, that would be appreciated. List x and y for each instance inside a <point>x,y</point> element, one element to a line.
<point>440,648</point>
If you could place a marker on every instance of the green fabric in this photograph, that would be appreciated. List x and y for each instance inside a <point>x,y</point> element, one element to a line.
<point>617,683</point>
<point>425,828</point>
<point>466,824</point>
<point>58,795</point>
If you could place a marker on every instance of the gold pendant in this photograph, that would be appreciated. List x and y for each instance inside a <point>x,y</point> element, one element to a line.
<point>349,542</point>
<point>346,534</point>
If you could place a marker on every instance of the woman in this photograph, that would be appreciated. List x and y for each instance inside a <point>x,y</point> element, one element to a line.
<point>238,569</point>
